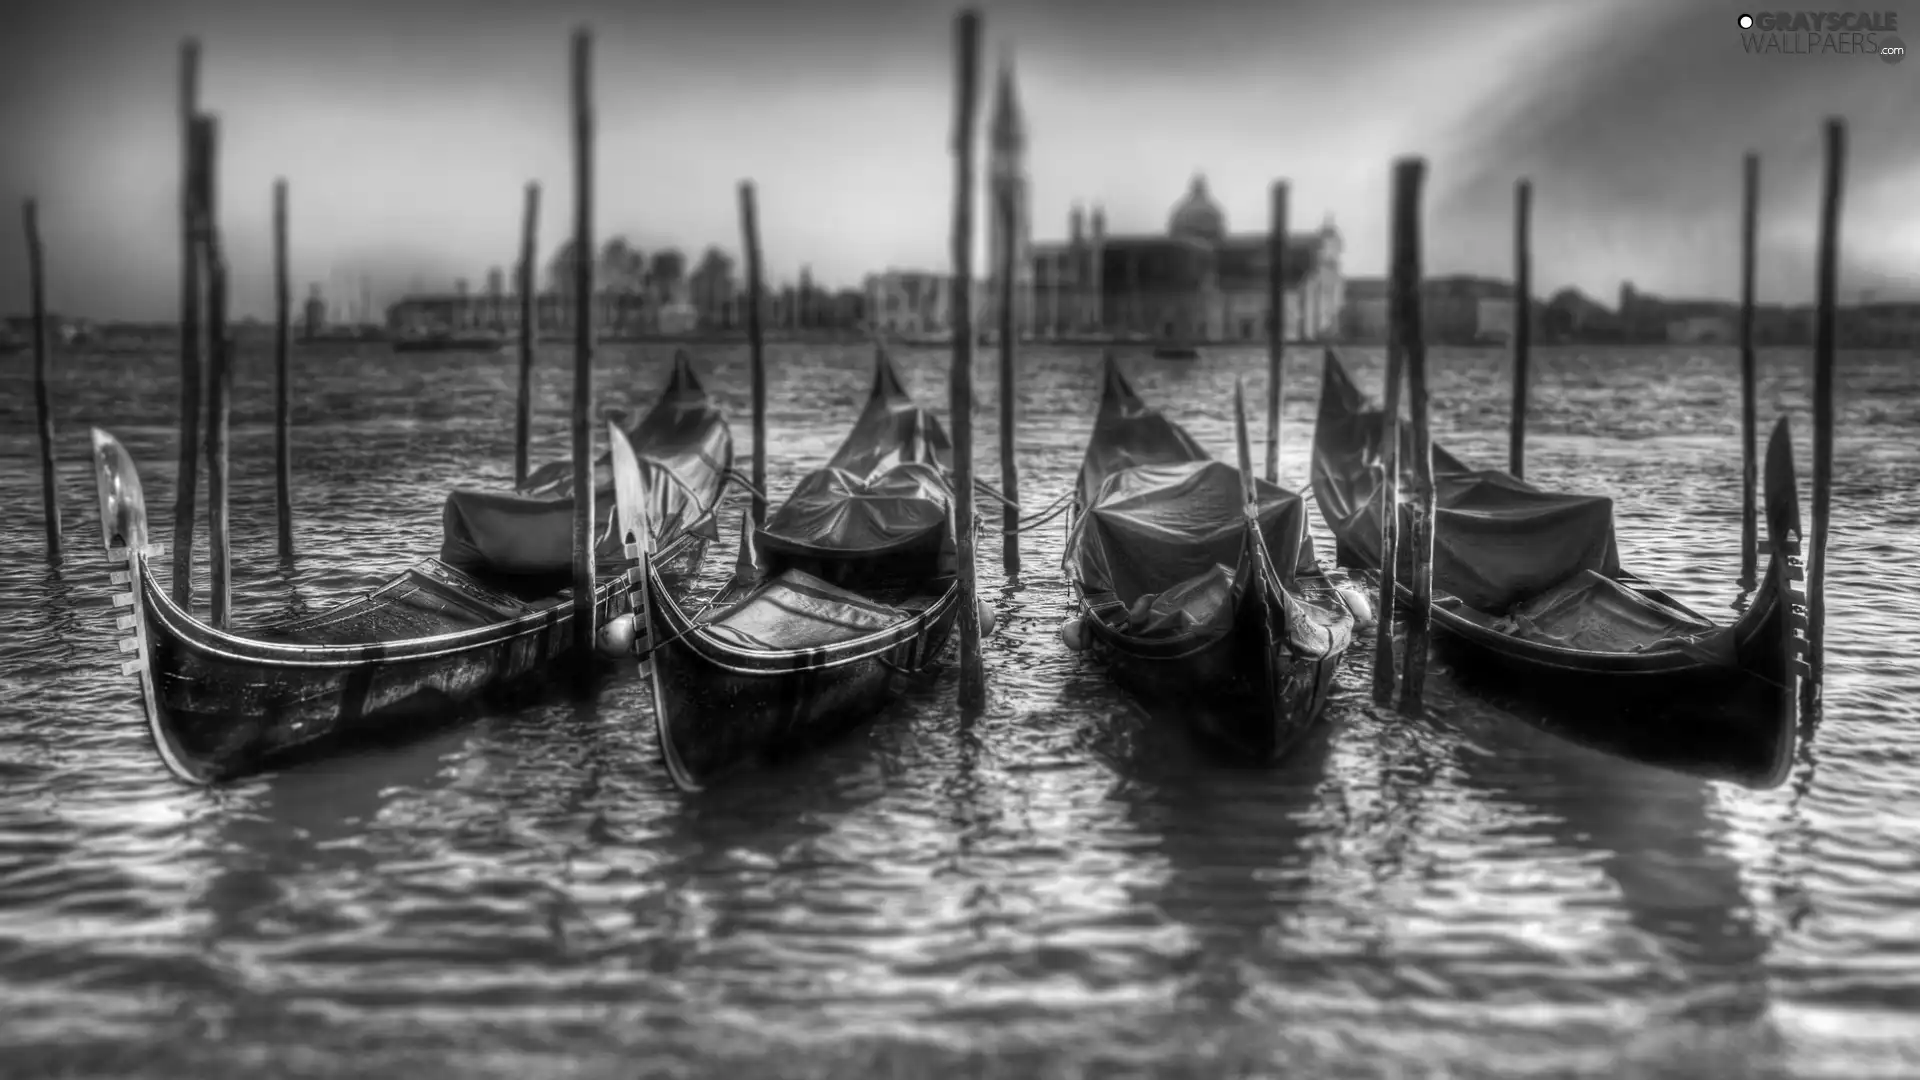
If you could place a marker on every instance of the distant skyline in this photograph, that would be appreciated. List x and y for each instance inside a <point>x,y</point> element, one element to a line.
<point>408,128</point>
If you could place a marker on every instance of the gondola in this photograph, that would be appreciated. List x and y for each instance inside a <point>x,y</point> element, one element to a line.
<point>1530,602</point>
<point>1198,585</point>
<point>489,615</point>
<point>847,590</point>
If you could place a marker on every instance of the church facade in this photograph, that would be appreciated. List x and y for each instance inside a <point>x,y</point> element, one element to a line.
<point>1197,282</point>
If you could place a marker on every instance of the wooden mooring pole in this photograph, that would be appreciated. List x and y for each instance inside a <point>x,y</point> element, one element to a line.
<point>282,359</point>
<point>42,395</point>
<point>1823,363</point>
<point>973,680</point>
<point>1409,178</point>
<point>1384,678</point>
<point>187,475</point>
<point>1276,323</point>
<point>206,131</point>
<point>1007,222</point>
<point>1522,325</point>
<point>756,347</point>
<point>529,329</point>
<point>1749,375</point>
<point>583,250</point>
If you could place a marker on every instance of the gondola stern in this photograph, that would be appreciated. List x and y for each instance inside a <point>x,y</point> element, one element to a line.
<point>1786,577</point>
<point>685,380</point>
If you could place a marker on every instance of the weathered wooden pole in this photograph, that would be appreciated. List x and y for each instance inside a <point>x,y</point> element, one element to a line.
<point>583,249</point>
<point>282,357</point>
<point>42,396</point>
<point>1522,325</point>
<point>756,347</point>
<point>1409,177</point>
<point>973,679</point>
<point>187,476</point>
<point>1749,375</point>
<point>1007,222</point>
<point>1384,678</point>
<point>206,130</point>
<point>1276,323</point>
<point>529,331</point>
<point>1823,362</point>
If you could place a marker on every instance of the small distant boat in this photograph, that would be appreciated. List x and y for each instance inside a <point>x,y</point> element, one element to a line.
<point>845,593</point>
<point>1198,583</point>
<point>479,341</point>
<point>1176,352</point>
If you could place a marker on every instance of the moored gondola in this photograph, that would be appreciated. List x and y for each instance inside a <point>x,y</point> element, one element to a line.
<point>1198,584</point>
<point>490,614</point>
<point>1530,602</point>
<point>848,589</point>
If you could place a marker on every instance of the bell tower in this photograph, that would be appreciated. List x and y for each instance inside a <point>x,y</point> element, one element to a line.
<point>1007,170</point>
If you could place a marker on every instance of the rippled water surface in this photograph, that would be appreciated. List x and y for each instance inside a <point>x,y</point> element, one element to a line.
<point>1055,889</point>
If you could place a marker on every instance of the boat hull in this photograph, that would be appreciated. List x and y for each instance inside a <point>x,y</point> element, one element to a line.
<point>1242,695</point>
<point>719,708</point>
<point>221,706</point>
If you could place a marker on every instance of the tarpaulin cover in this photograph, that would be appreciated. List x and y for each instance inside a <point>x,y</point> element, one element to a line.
<point>496,532</point>
<point>684,449</point>
<point>891,430</point>
<point>796,610</point>
<point>1593,612</point>
<point>1168,541</point>
<point>683,431</point>
<point>1498,541</point>
<point>835,512</point>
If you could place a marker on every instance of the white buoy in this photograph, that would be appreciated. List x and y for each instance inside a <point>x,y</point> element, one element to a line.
<point>1073,633</point>
<point>987,616</point>
<point>615,638</point>
<point>1357,603</point>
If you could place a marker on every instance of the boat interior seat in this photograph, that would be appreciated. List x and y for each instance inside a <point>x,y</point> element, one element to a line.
<point>430,598</point>
<point>797,610</point>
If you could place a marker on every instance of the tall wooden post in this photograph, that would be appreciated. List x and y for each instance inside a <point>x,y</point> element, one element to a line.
<point>756,347</point>
<point>42,395</point>
<point>1823,362</point>
<point>583,249</point>
<point>1522,325</point>
<point>206,132</point>
<point>187,477</point>
<point>1007,221</point>
<point>1409,177</point>
<point>973,685</point>
<point>1276,323</point>
<point>1384,678</point>
<point>529,330</point>
<point>282,357</point>
<point>1749,375</point>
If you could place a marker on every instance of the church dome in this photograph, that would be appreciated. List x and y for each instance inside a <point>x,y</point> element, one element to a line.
<point>1197,215</point>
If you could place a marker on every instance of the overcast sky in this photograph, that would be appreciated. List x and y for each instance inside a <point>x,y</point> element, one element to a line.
<point>408,127</point>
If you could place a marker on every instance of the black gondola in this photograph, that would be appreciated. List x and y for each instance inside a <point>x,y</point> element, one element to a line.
<point>1530,602</point>
<point>489,615</point>
<point>849,587</point>
<point>1198,584</point>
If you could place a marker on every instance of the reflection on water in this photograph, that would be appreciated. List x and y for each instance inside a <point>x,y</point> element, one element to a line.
<point>1059,884</point>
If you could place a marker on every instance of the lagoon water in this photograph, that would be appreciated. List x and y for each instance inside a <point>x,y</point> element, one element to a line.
<point>1057,889</point>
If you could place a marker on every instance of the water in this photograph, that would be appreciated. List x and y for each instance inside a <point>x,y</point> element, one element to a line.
<point>1055,890</point>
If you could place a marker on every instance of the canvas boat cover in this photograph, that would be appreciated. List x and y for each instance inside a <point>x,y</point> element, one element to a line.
<point>796,610</point>
<point>1169,542</point>
<point>1498,541</point>
<point>1163,529</point>
<point>834,512</point>
<point>685,451</point>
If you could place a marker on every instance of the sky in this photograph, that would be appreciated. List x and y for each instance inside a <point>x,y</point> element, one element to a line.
<point>407,130</point>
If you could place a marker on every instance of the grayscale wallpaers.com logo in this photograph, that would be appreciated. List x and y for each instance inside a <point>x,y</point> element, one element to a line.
<point>1850,33</point>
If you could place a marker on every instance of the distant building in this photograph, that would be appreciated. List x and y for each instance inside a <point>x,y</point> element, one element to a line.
<point>1197,282</point>
<point>1457,309</point>
<point>909,302</point>
<point>1572,315</point>
<point>1645,317</point>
